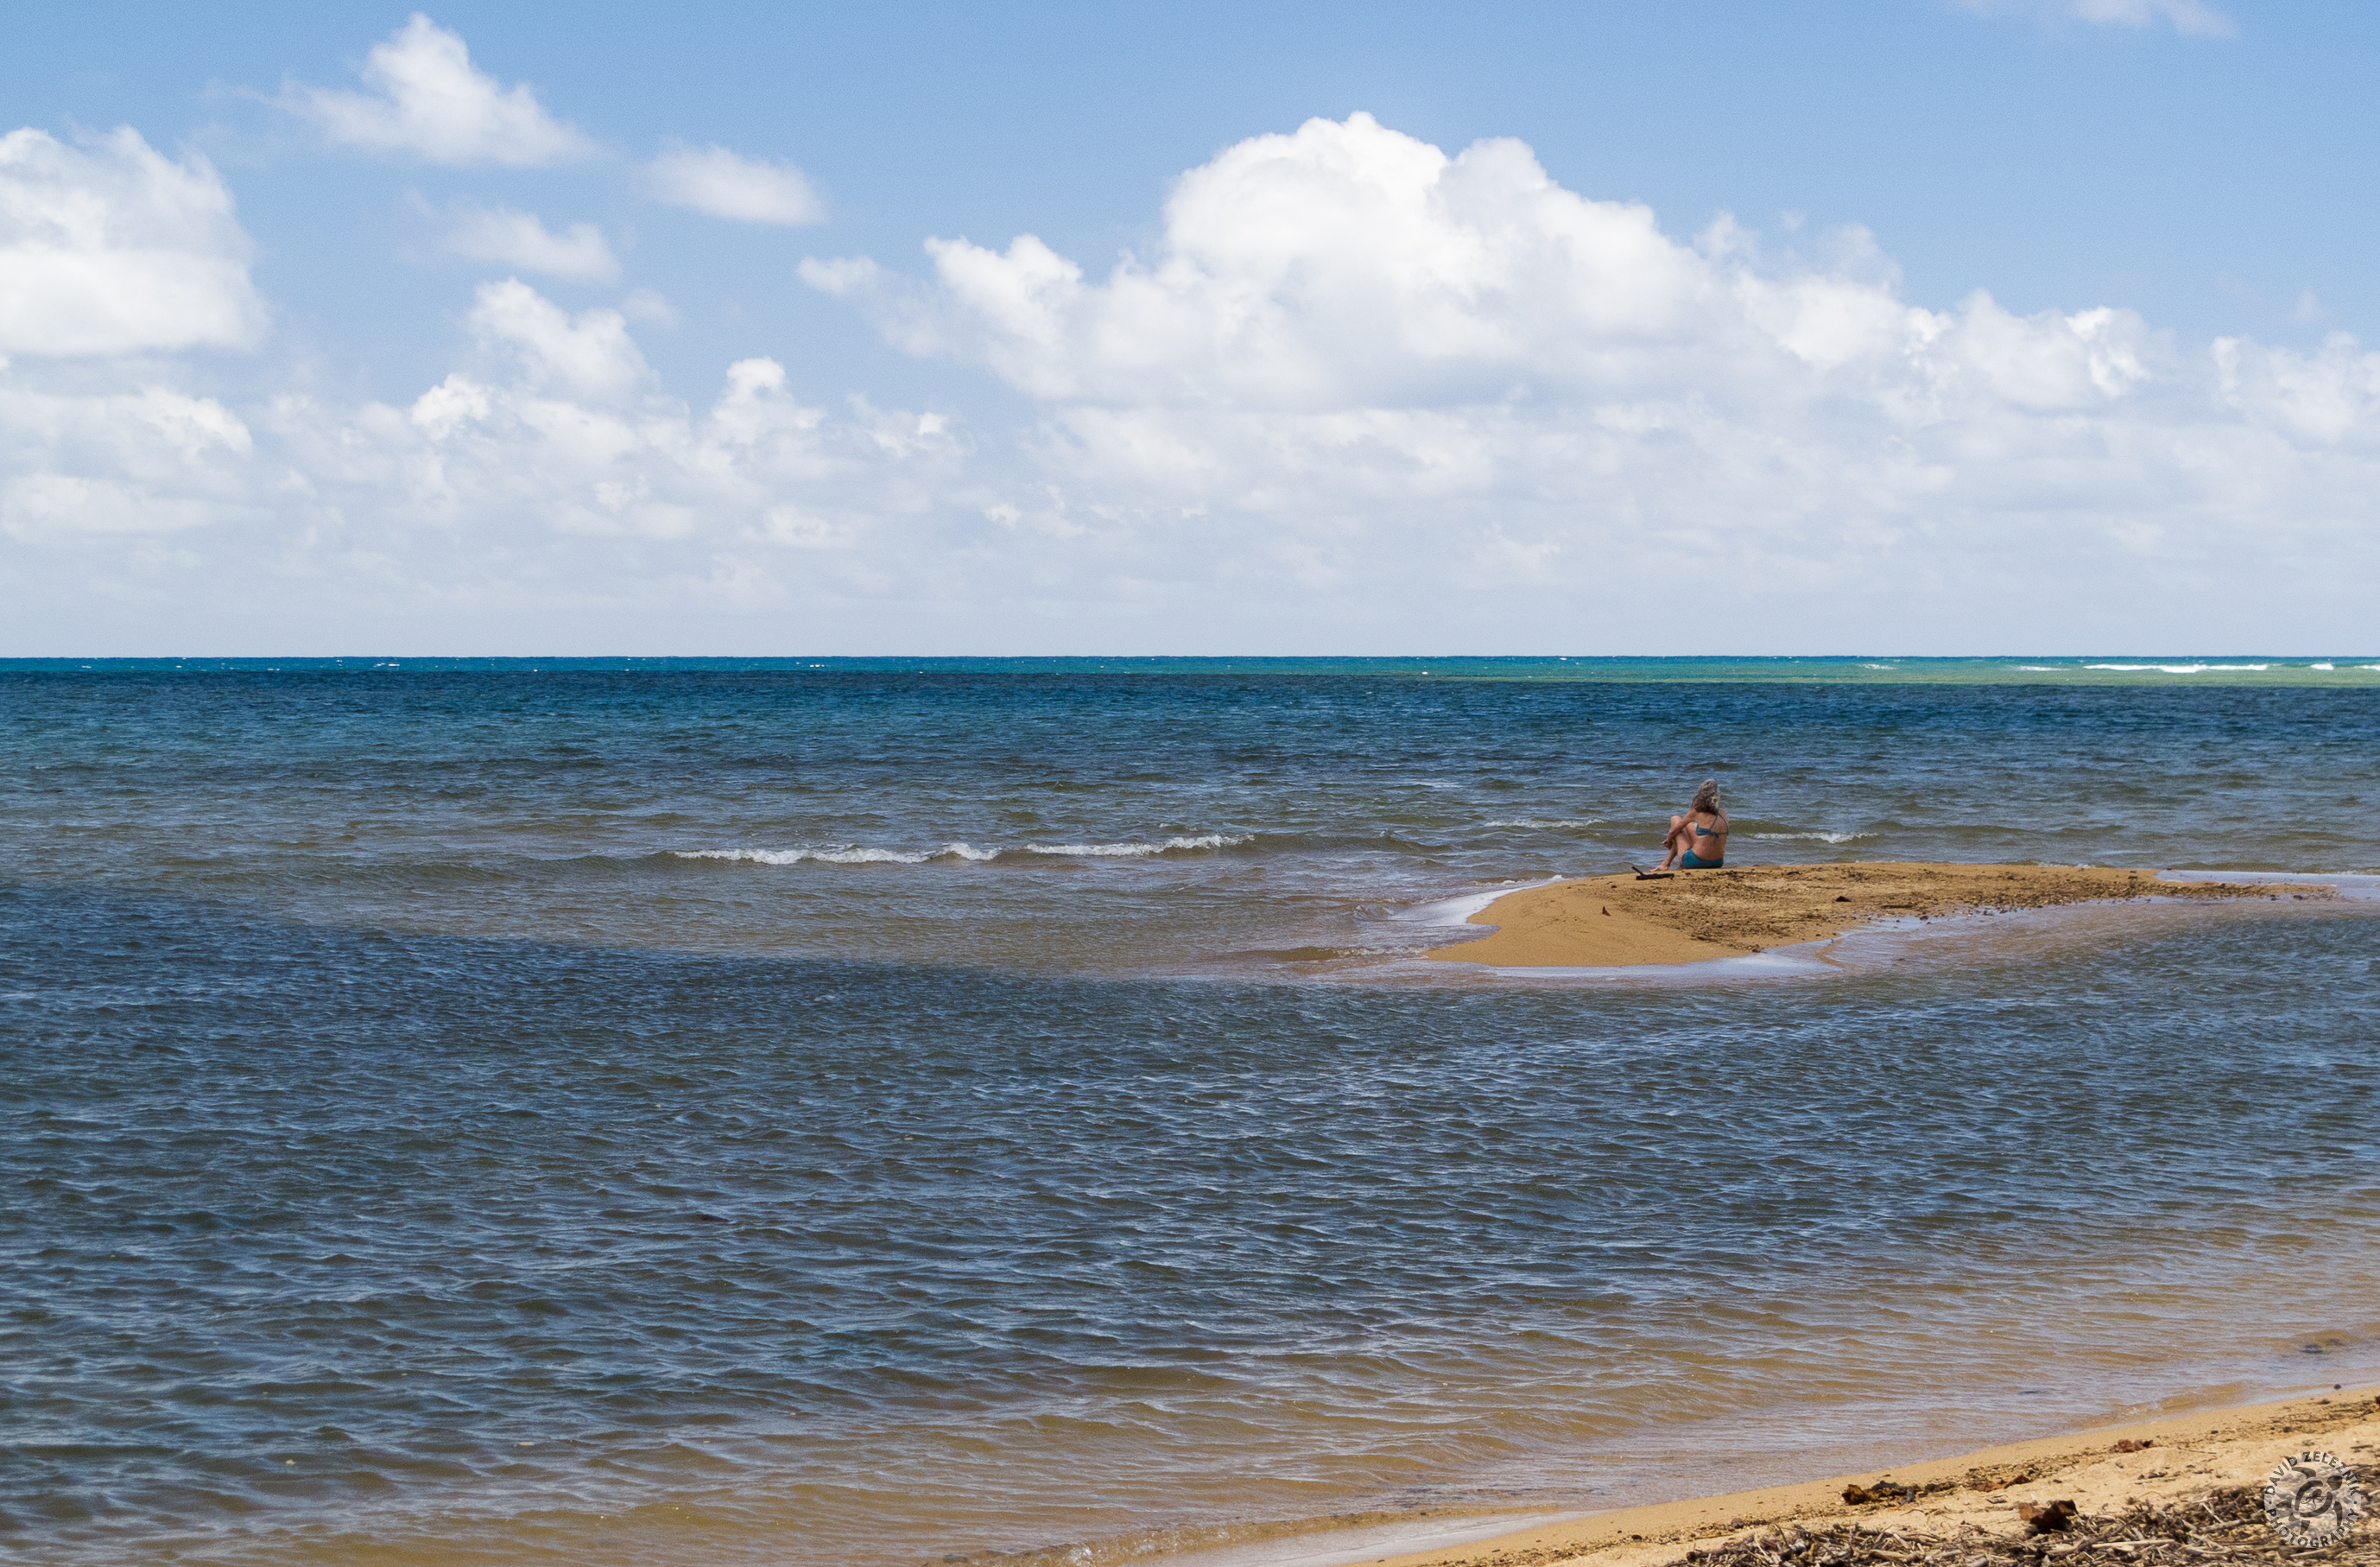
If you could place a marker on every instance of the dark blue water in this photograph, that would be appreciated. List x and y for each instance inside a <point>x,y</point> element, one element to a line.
<point>417,1152</point>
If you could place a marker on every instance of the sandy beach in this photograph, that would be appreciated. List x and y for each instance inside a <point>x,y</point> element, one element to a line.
<point>2173,1483</point>
<point>1695,915</point>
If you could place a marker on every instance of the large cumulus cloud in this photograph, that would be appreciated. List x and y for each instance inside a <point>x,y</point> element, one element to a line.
<point>1360,394</point>
<point>1358,365</point>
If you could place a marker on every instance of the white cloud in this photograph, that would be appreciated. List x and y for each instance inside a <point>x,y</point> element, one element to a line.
<point>1348,266</point>
<point>588,355</point>
<point>1358,395</point>
<point>2326,399</point>
<point>112,249</point>
<point>2192,17</point>
<point>714,180</point>
<point>518,239</point>
<point>430,102</point>
<point>153,461</point>
<point>547,477</point>
<point>1358,366</point>
<point>650,306</point>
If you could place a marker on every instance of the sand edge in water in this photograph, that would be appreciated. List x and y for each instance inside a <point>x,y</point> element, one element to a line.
<point>1621,921</point>
<point>1975,1494</point>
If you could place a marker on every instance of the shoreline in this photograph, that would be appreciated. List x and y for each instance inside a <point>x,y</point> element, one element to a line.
<point>2176,1458</point>
<point>1694,917</point>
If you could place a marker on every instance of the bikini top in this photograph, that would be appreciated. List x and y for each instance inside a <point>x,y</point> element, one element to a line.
<point>1701,832</point>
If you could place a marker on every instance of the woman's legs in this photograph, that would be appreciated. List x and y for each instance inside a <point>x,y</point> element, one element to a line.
<point>1676,843</point>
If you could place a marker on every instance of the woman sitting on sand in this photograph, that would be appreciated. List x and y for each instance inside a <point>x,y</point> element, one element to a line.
<point>1697,840</point>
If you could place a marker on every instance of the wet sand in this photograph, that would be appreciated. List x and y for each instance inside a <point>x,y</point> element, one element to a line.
<point>1976,1495</point>
<point>1616,921</point>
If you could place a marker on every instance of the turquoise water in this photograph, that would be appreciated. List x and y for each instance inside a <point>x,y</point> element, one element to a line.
<point>875,1110</point>
<point>2351,672</point>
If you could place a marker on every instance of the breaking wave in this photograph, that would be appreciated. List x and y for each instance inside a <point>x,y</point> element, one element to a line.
<point>1134,851</point>
<point>840,855</point>
<point>2180,668</point>
<point>853,854</point>
<point>1808,837</point>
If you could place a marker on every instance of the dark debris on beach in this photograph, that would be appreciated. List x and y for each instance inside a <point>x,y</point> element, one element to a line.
<point>2225,1525</point>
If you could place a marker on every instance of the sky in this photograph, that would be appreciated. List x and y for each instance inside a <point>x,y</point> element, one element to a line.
<point>1903,326</point>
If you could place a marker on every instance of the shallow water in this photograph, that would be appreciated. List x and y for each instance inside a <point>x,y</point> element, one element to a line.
<point>494,1114</point>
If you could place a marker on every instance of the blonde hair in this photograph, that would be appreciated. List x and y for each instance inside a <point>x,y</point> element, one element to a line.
<point>1707,798</point>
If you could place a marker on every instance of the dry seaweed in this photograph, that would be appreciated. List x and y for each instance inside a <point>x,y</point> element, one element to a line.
<point>2225,1525</point>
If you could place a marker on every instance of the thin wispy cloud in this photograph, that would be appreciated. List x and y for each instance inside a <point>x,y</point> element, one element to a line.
<point>428,102</point>
<point>521,240</point>
<point>652,308</point>
<point>716,181</point>
<point>2192,19</point>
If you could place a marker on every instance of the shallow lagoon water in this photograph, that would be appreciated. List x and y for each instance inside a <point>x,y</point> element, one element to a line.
<point>423,1146</point>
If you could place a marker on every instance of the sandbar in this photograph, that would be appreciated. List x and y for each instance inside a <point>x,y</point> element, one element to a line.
<point>1620,921</point>
<point>1965,1508</point>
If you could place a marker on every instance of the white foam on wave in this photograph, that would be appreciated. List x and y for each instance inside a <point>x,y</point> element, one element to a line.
<point>795,857</point>
<point>1459,910</point>
<point>1548,821</point>
<point>1136,850</point>
<point>1808,837</point>
<point>841,854</point>
<point>2039,668</point>
<point>860,854</point>
<point>2180,668</point>
<point>2322,666</point>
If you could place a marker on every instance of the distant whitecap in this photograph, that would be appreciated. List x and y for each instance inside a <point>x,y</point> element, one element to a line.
<point>1137,850</point>
<point>843,854</point>
<point>2180,668</point>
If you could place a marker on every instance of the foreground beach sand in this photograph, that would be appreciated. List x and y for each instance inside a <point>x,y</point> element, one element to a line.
<point>1614,921</point>
<point>1971,1502</point>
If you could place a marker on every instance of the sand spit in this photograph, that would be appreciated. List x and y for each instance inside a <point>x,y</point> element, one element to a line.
<point>1613,921</point>
<point>2162,1493</point>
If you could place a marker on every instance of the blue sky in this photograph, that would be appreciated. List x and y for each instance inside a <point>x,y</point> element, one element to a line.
<point>1289,441</point>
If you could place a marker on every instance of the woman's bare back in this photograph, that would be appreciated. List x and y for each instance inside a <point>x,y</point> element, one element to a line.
<point>1701,833</point>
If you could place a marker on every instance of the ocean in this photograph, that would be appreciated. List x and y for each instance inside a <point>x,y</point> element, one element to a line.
<point>681,1111</point>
